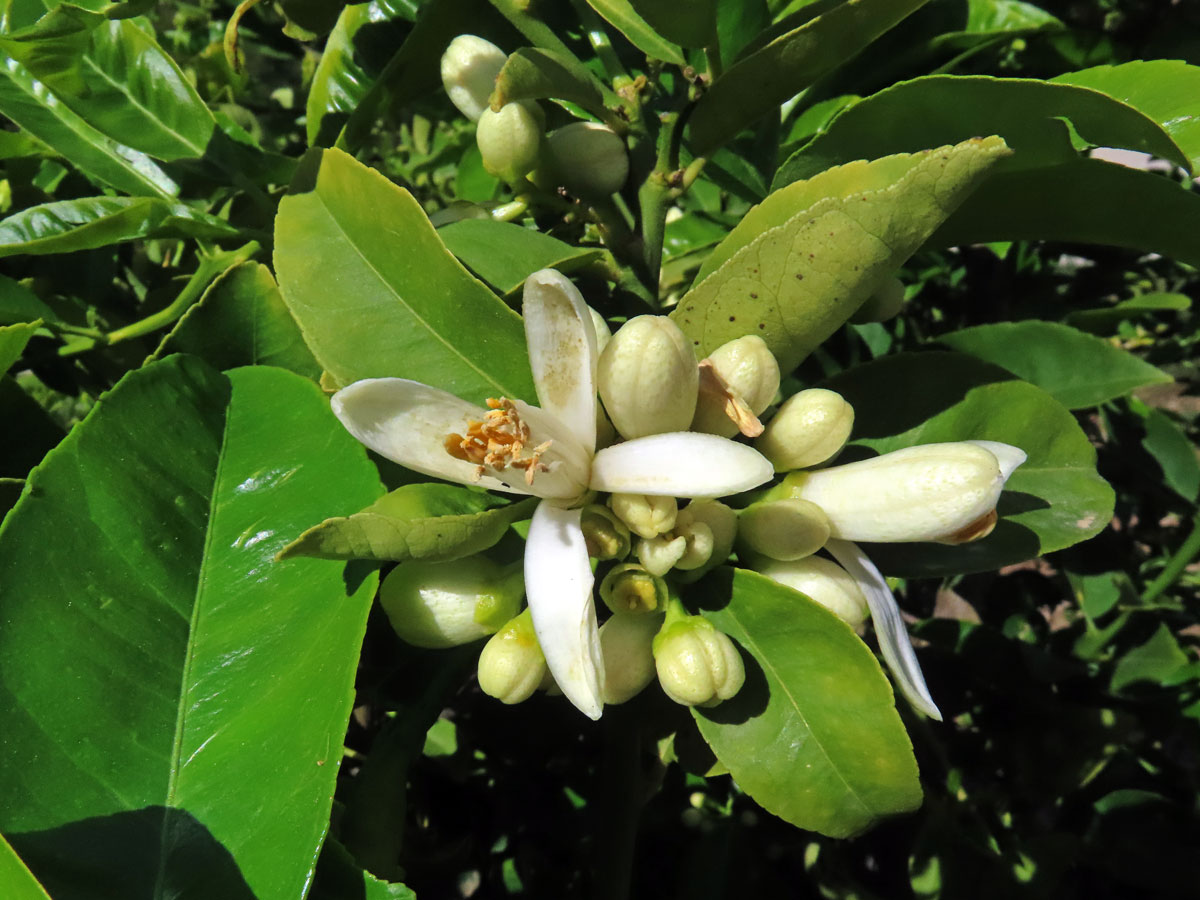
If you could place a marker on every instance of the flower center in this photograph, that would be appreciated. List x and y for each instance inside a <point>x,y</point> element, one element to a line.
<point>498,442</point>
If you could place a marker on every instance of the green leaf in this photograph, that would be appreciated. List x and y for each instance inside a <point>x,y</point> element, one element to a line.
<point>1106,319</point>
<point>945,109</point>
<point>154,654</point>
<point>801,262</point>
<point>415,521</point>
<point>1076,369</point>
<point>19,304</point>
<point>994,16</point>
<point>1054,500</point>
<point>31,106</point>
<point>13,339</point>
<point>692,26</point>
<point>1087,201</point>
<point>89,222</point>
<point>1172,450</point>
<point>760,82</point>
<point>18,881</point>
<point>623,17</point>
<point>339,877</point>
<point>533,74</point>
<point>376,293</point>
<point>1166,90</point>
<point>504,255</point>
<point>314,16</point>
<point>1156,660</point>
<point>738,23</point>
<point>813,736</point>
<point>242,321</point>
<point>441,739</point>
<point>113,75</point>
<point>339,83</point>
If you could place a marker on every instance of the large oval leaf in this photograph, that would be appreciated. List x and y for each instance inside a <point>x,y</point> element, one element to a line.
<point>504,255</point>
<point>154,656</point>
<point>813,736</point>
<point>13,339</point>
<point>622,16</point>
<point>1055,499</point>
<point>377,294</point>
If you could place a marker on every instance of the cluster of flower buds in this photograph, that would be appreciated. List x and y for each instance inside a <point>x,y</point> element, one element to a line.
<point>587,158</point>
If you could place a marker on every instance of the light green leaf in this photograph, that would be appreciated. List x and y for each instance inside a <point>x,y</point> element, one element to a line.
<point>376,293</point>
<point>13,339</point>
<point>761,81</point>
<point>242,321</point>
<point>1105,320</point>
<point>1156,660</point>
<point>504,255</point>
<point>441,739</point>
<point>995,16</point>
<point>533,74</point>
<point>89,222</point>
<point>800,263</point>
<point>416,521</point>
<point>154,654</point>
<point>1172,450</point>
<point>19,304</point>
<point>1054,500</point>
<point>18,881</point>
<point>339,83</point>
<point>813,736</point>
<point>1166,90</point>
<point>623,17</point>
<point>1076,369</point>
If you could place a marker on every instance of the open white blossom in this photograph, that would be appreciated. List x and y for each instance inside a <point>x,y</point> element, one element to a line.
<point>549,452</point>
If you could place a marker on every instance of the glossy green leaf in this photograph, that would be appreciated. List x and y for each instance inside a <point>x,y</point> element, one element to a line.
<point>813,736</point>
<point>623,17</point>
<point>18,881</point>
<point>242,321</point>
<point>169,657</point>
<point>339,877</point>
<point>694,25</point>
<point>942,109</point>
<point>738,23</point>
<point>1172,450</point>
<point>13,339</point>
<point>115,76</point>
<point>339,84</point>
<point>1076,369</point>
<point>1156,660</point>
<point>801,262</point>
<point>416,521</point>
<point>1054,500</point>
<point>1105,320</point>
<point>534,74</point>
<point>29,104</point>
<point>1166,90</point>
<point>504,255</point>
<point>19,304</point>
<point>376,293</point>
<point>1086,200</point>
<point>761,81</point>
<point>89,222</point>
<point>992,16</point>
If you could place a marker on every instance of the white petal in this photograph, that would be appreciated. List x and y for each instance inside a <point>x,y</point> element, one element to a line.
<point>407,422</point>
<point>558,583</point>
<point>680,464</point>
<point>889,626</point>
<point>562,352</point>
<point>1008,456</point>
<point>569,463</point>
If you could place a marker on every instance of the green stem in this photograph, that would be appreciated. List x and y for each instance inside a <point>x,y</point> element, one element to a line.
<point>1175,566</point>
<point>712,56</point>
<point>654,197</point>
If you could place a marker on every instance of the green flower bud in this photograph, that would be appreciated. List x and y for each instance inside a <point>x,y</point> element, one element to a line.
<point>647,378</point>
<point>509,140</point>
<point>511,666</point>
<point>884,304</point>
<point>823,581</point>
<point>469,69</point>
<point>625,643</point>
<point>783,529</point>
<point>605,535</point>
<point>719,521</point>
<point>646,516</point>
<point>660,554</point>
<point>630,589</point>
<point>810,428</point>
<point>737,382</point>
<point>697,665</point>
<point>444,604</point>
<point>588,159</point>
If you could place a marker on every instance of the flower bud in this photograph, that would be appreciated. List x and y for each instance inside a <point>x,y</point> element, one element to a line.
<point>783,529</point>
<point>933,492</point>
<point>698,546</point>
<point>470,66</point>
<point>697,665</point>
<point>588,159</point>
<point>659,554</point>
<point>823,581</point>
<point>444,604</point>
<point>720,523</point>
<point>605,535</point>
<point>647,378</point>
<point>509,140</point>
<point>625,643</point>
<point>603,332</point>
<point>882,305</point>
<point>646,516</point>
<point>511,666</point>
<point>737,382</point>
<point>630,590</point>
<point>810,428</point>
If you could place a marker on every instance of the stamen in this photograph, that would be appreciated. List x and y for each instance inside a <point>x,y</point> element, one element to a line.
<point>498,442</point>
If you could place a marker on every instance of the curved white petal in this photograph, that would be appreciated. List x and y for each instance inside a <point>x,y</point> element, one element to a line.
<point>889,627</point>
<point>558,584</point>
<point>562,352</point>
<point>570,465</point>
<point>1008,456</point>
<point>407,422</point>
<point>680,464</point>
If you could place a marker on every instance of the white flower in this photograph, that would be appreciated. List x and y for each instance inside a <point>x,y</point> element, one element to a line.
<point>549,452</point>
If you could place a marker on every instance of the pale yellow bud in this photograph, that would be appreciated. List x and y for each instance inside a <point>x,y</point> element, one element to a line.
<point>588,159</point>
<point>469,69</point>
<point>719,521</point>
<point>697,665</point>
<point>660,554</point>
<point>884,304</point>
<point>823,581</point>
<point>625,643</point>
<point>646,516</point>
<point>628,589</point>
<point>647,378</point>
<point>698,548</point>
<point>509,140</point>
<point>784,529</point>
<point>444,604</point>
<point>741,382</point>
<point>810,428</point>
<point>511,666</point>
<point>605,535</point>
